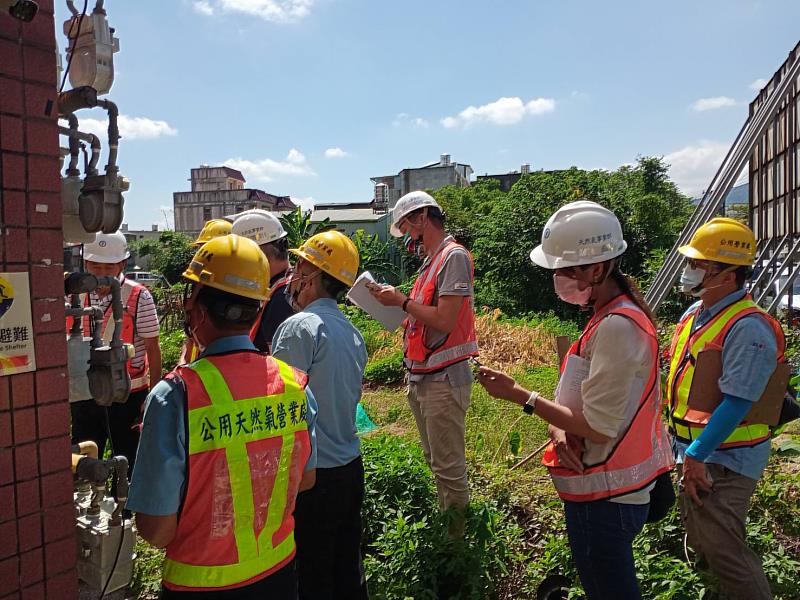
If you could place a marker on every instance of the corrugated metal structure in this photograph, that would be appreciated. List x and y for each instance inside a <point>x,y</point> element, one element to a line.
<point>774,199</point>
<point>768,142</point>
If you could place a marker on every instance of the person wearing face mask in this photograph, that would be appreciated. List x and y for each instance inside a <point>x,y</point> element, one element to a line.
<point>607,452</point>
<point>227,443</point>
<point>212,228</point>
<point>107,256</point>
<point>722,454</point>
<point>320,341</point>
<point>439,339</point>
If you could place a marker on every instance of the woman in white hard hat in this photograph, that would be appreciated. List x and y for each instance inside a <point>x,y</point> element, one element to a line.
<point>608,443</point>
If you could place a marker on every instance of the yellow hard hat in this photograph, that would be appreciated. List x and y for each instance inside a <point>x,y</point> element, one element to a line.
<point>213,229</point>
<point>722,240</point>
<point>333,252</point>
<point>232,264</point>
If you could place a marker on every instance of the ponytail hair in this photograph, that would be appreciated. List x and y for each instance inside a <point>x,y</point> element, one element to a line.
<point>630,289</point>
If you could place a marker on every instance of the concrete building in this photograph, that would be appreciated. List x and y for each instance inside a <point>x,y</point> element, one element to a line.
<point>389,188</point>
<point>217,192</point>
<point>350,220</point>
<point>507,180</point>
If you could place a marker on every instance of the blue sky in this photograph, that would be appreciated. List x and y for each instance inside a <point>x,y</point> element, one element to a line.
<point>310,98</point>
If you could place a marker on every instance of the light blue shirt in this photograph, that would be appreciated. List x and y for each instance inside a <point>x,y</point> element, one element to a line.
<point>159,474</point>
<point>323,343</point>
<point>749,357</point>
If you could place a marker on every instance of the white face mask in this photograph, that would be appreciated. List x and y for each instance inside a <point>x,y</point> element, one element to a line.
<point>692,279</point>
<point>567,289</point>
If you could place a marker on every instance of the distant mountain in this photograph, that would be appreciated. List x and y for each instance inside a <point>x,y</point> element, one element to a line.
<point>737,195</point>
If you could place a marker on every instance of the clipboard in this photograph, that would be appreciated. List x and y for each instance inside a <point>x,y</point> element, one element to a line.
<point>705,395</point>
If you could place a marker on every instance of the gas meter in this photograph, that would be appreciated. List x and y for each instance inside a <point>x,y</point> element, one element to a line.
<point>92,44</point>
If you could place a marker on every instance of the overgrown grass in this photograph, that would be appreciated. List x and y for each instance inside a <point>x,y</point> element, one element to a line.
<point>515,534</point>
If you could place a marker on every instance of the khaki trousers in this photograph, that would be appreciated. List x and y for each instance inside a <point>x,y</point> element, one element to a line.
<point>440,410</point>
<point>716,533</point>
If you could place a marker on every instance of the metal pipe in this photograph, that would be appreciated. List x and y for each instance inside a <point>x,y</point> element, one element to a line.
<point>116,307</point>
<point>113,133</point>
<point>93,140</point>
<point>119,464</point>
<point>74,145</point>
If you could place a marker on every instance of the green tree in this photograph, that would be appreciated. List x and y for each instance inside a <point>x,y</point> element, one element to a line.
<point>375,256</point>
<point>170,254</point>
<point>299,227</point>
<point>649,206</point>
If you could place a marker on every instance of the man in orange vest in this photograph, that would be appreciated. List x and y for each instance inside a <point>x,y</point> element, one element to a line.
<point>265,229</point>
<point>439,338</point>
<point>107,257</point>
<point>723,454</point>
<point>227,443</point>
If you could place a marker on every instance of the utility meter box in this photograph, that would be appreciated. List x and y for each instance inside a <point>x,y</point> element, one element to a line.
<point>98,544</point>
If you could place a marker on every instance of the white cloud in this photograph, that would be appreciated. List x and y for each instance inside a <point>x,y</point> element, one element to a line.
<point>714,103</point>
<point>203,7</point>
<point>267,169</point>
<point>503,111</point>
<point>758,84</point>
<point>130,128</point>
<point>306,203</point>
<point>335,152</point>
<point>275,11</point>
<point>404,120</point>
<point>693,167</point>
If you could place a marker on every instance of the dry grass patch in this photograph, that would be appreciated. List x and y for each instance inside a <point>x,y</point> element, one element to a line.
<point>507,345</point>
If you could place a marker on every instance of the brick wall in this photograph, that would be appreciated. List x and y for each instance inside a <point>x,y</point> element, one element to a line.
<point>37,547</point>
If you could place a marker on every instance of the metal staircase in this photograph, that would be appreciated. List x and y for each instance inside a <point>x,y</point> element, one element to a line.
<point>735,160</point>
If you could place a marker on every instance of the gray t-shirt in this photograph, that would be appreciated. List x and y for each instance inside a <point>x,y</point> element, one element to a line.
<point>454,279</point>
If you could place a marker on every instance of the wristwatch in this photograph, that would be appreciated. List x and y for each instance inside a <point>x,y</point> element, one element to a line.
<point>530,405</point>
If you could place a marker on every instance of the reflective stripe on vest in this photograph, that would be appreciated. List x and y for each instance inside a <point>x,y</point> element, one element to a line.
<point>460,343</point>
<point>229,443</point>
<point>685,423</point>
<point>632,464</point>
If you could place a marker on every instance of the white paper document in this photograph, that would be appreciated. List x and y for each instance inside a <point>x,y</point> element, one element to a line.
<point>568,392</point>
<point>388,316</point>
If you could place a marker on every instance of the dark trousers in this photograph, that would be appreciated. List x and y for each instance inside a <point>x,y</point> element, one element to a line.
<point>600,536</point>
<point>89,424</point>
<point>328,535</point>
<point>281,585</point>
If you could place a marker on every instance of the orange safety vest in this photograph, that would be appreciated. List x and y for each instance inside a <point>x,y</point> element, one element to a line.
<point>642,452</point>
<point>279,285</point>
<point>140,377</point>
<point>248,444</point>
<point>460,343</point>
<point>685,423</point>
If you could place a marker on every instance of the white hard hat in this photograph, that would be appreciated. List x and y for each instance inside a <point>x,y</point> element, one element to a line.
<point>406,205</point>
<point>258,225</point>
<point>107,248</point>
<point>579,233</point>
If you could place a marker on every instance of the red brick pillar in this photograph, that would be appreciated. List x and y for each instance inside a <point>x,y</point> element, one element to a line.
<point>37,545</point>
